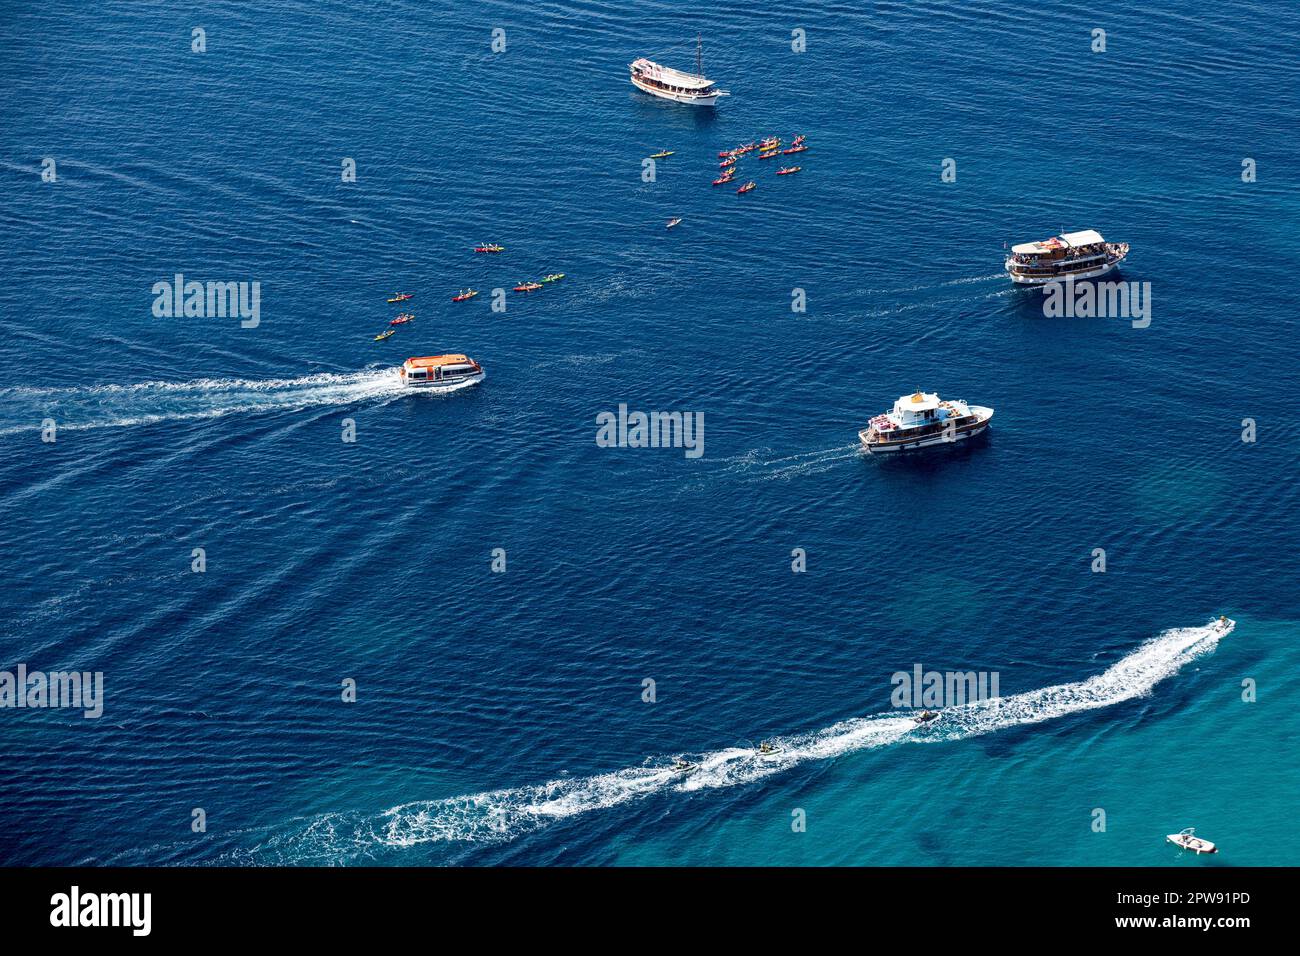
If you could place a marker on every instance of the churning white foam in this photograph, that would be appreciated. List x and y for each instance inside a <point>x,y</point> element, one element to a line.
<point>500,815</point>
<point>109,406</point>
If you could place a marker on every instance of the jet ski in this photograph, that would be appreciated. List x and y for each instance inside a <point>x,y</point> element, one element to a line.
<point>1222,625</point>
<point>383,335</point>
<point>925,716</point>
<point>462,296</point>
<point>401,297</point>
<point>683,767</point>
<point>1188,840</point>
<point>673,222</point>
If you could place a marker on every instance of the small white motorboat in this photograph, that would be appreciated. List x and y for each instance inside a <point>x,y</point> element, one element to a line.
<point>767,751</point>
<point>921,420</point>
<point>1188,840</point>
<point>1223,625</point>
<point>684,767</point>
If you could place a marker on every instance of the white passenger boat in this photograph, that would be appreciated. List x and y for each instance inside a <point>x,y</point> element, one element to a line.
<point>1071,255</point>
<point>1188,840</point>
<point>440,373</point>
<point>923,419</point>
<point>669,84</point>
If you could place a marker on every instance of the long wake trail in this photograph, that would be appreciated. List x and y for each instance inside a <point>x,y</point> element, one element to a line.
<point>501,815</point>
<point>116,406</point>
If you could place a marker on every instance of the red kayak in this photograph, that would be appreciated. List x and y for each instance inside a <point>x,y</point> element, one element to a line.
<point>747,187</point>
<point>793,149</point>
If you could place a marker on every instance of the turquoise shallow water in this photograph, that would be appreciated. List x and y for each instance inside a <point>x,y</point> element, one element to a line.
<point>499,717</point>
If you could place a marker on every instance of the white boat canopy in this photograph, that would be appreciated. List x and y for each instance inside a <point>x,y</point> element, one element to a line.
<point>1068,240</point>
<point>1031,248</point>
<point>1087,237</point>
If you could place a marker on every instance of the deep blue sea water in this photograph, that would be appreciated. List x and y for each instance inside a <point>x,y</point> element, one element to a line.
<point>499,716</point>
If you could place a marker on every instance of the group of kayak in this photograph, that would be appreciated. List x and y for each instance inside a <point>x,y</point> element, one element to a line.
<point>534,286</point>
<point>768,148</point>
<point>463,295</point>
<point>402,317</point>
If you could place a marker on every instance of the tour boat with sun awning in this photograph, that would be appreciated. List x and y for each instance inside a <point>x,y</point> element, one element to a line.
<point>1071,255</point>
<point>669,84</point>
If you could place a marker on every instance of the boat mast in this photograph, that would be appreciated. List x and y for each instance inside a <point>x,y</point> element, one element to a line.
<point>699,55</point>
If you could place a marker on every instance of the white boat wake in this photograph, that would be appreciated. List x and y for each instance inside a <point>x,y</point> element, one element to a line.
<point>760,465</point>
<point>115,406</point>
<point>502,815</point>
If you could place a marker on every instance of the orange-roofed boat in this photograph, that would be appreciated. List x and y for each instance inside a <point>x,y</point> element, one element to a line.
<point>440,373</point>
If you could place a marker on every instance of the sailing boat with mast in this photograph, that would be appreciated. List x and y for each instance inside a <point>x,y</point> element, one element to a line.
<point>669,84</point>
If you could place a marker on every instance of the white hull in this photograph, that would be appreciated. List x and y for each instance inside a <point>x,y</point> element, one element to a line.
<point>876,449</point>
<point>1117,253</point>
<point>1195,844</point>
<point>1085,274</point>
<point>453,386</point>
<point>686,98</point>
